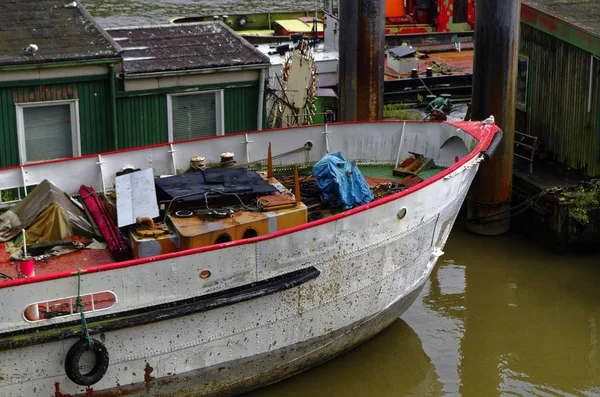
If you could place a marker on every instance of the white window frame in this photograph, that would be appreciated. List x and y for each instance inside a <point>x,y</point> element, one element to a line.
<point>219,109</point>
<point>75,133</point>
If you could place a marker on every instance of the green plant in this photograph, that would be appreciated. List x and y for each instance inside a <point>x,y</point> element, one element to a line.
<point>8,195</point>
<point>586,199</point>
<point>399,111</point>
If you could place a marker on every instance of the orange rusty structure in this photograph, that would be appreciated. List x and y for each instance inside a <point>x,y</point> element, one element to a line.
<point>394,9</point>
<point>194,229</point>
<point>202,230</point>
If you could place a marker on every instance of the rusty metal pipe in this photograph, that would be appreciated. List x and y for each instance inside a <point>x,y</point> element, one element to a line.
<point>297,186</point>
<point>494,93</point>
<point>269,162</point>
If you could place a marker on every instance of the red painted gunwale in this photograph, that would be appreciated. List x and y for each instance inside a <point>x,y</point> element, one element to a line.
<point>482,132</point>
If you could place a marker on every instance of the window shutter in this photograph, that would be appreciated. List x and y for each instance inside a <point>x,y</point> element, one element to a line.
<point>194,116</point>
<point>48,132</point>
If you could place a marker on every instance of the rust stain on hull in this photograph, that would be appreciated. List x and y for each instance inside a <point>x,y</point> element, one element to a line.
<point>147,378</point>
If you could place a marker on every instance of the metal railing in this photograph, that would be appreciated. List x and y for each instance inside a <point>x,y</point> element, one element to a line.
<point>528,143</point>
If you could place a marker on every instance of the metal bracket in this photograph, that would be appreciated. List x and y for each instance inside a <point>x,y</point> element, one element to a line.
<point>247,143</point>
<point>24,182</point>
<point>327,133</point>
<point>173,151</point>
<point>101,163</point>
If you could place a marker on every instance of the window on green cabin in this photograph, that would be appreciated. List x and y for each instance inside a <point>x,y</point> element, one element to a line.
<point>47,131</point>
<point>195,115</point>
<point>522,82</point>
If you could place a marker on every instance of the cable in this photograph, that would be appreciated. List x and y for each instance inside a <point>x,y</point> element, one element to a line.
<point>487,218</point>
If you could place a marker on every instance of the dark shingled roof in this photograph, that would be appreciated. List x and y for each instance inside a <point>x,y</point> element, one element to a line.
<point>584,14</point>
<point>173,48</point>
<point>61,34</point>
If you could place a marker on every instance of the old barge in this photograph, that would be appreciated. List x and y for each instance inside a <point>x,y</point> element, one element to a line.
<point>235,282</point>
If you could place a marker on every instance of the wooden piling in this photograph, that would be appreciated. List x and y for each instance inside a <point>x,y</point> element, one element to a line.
<point>494,93</point>
<point>361,64</point>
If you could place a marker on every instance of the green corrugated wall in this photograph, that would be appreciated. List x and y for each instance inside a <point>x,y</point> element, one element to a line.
<point>94,118</point>
<point>141,117</point>
<point>9,146</point>
<point>558,103</point>
<point>142,120</point>
<point>241,107</point>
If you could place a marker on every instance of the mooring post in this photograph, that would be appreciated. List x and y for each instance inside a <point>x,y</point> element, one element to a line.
<point>348,14</point>
<point>362,46</point>
<point>494,93</point>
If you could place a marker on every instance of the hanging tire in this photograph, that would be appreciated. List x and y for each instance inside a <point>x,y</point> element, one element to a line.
<point>74,356</point>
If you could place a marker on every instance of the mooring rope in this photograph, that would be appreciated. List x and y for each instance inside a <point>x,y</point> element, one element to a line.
<point>85,333</point>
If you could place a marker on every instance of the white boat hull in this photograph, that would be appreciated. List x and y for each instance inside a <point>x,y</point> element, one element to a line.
<point>372,266</point>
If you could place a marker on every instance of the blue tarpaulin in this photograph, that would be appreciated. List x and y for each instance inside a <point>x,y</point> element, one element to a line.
<point>341,183</point>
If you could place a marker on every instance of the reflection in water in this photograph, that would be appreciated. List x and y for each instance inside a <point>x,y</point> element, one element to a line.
<point>391,364</point>
<point>498,317</point>
<point>437,318</point>
<point>529,318</point>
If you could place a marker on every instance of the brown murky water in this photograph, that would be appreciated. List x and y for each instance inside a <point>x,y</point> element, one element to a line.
<point>498,317</point>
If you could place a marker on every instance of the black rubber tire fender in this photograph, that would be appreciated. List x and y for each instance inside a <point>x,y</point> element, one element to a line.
<point>74,356</point>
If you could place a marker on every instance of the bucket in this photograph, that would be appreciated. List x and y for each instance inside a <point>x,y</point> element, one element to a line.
<point>26,270</point>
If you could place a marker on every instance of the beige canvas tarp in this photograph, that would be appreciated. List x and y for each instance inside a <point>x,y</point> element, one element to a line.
<point>46,214</point>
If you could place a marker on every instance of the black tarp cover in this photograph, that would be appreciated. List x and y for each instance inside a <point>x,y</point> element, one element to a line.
<point>195,185</point>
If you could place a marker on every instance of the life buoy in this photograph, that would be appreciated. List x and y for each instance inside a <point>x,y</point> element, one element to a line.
<point>74,356</point>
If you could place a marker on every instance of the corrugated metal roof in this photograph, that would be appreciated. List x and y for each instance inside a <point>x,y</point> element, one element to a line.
<point>173,48</point>
<point>584,14</point>
<point>60,33</point>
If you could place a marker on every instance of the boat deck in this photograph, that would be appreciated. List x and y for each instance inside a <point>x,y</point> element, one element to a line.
<point>445,63</point>
<point>379,179</point>
<point>73,261</point>
<point>452,74</point>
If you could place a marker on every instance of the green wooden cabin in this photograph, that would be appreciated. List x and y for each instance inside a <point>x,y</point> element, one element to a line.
<point>558,96</point>
<point>70,88</point>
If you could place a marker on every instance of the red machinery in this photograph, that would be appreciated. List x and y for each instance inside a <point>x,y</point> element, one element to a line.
<point>423,16</point>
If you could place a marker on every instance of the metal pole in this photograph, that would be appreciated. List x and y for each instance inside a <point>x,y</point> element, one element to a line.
<point>112,81</point>
<point>370,59</point>
<point>348,14</point>
<point>261,99</point>
<point>494,93</point>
